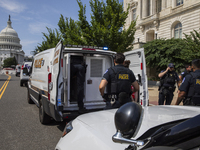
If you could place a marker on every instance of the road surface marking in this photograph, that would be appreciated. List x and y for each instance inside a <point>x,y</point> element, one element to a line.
<point>3,88</point>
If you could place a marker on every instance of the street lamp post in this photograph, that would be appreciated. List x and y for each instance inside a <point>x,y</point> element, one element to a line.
<point>156,35</point>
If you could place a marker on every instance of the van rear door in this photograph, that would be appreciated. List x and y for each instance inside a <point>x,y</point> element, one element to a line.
<point>138,66</point>
<point>57,76</point>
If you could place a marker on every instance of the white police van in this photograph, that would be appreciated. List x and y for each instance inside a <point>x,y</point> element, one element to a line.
<point>52,89</point>
<point>24,77</point>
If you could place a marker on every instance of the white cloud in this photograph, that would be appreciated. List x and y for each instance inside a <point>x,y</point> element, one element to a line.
<point>39,27</point>
<point>28,42</point>
<point>29,45</point>
<point>12,6</point>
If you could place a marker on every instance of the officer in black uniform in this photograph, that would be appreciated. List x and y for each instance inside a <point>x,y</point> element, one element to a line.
<point>78,70</point>
<point>190,87</point>
<point>184,73</point>
<point>118,80</point>
<point>167,84</point>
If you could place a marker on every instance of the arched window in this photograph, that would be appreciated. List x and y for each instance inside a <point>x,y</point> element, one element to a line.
<point>134,14</point>
<point>179,2</point>
<point>178,31</point>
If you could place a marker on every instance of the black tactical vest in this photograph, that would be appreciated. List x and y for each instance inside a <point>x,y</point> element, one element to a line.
<point>121,82</point>
<point>170,78</point>
<point>194,89</point>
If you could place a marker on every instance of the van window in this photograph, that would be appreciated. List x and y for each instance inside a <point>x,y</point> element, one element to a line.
<point>96,67</point>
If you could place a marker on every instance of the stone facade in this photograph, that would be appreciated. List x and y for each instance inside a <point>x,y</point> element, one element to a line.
<point>162,19</point>
<point>10,44</point>
<point>159,18</point>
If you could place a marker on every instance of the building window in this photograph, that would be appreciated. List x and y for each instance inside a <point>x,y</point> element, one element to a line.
<point>159,5</point>
<point>148,7</point>
<point>134,14</point>
<point>179,2</point>
<point>178,31</point>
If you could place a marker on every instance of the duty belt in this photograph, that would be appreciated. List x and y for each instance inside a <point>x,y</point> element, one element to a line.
<point>112,98</point>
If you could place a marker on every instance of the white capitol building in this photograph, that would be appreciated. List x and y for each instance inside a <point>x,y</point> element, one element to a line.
<point>10,44</point>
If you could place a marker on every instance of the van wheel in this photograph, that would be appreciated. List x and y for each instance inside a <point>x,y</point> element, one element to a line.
<point>44,118</point>
<point>28,97</point>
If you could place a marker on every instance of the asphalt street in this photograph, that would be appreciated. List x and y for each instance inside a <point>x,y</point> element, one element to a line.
<point>20,128</point>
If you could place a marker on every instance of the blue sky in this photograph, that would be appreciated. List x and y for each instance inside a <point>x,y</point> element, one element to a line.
<point>31,17</point>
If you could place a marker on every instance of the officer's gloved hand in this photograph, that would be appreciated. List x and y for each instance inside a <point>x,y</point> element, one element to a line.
<point>105,97</point>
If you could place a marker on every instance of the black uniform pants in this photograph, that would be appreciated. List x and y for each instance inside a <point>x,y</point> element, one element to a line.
<point>80,74</point>
<point>165,95</point>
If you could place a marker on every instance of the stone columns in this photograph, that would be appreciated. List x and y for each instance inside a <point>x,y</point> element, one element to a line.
<point>173,3</point>
<point>163,4</point>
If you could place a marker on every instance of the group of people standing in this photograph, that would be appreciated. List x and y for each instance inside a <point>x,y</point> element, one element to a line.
<point>122,86</point>
<point>188,84</point>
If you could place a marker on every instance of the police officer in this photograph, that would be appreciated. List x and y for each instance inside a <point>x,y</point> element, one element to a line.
<point>118,80</point>
<point>190,87</point>
<point>167,84</point>
<point>78,70</point>
<point>184,73</point>
<point>134,96</point>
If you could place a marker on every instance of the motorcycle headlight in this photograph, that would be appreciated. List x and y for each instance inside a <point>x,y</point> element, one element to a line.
<point>67,129</point>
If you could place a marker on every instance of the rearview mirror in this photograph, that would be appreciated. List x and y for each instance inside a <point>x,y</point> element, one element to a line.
<point>127,118</point>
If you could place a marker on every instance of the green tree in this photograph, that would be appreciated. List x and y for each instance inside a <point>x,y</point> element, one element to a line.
<point>70,31</point>
<point>104,29</point>
<point>10,61</point>
<point>159,53</point>
<point>50,40</point>
<point>193,44</point>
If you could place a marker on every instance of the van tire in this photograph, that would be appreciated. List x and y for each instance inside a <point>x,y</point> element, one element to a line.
<point>28,97</point>
<point>44,118</point>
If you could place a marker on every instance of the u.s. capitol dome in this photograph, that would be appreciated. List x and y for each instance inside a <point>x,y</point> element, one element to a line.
<point>10,44</point>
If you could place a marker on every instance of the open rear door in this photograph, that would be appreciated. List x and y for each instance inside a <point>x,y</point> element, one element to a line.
<point>57,76</point>
<point>138,66</point>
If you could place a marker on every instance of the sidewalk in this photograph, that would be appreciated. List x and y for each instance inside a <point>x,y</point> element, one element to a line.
<point>153,95</point>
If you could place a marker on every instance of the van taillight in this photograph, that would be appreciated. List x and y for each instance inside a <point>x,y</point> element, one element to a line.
<point>141,66</point>
<point>61,62</point>
<point>22,67</point>
<point>49,81</point>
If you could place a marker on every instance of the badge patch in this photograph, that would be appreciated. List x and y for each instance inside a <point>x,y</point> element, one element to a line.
<point>123,76</point>
<point>198,81</point>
